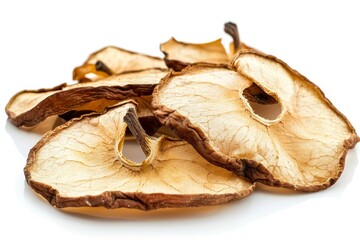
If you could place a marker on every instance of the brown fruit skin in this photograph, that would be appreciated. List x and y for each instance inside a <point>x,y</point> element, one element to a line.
<point>139,200</point>
<point>70,97</point>
<point>245,168</point>
<point>175,64</point>
<point>59,104</point>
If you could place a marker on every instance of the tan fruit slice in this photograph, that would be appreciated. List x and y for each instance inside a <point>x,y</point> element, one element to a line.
<point>302,148</point>
<point>180,54</point>
<point>30,107</point>
<point>81,164</point>
<point>113,60</point>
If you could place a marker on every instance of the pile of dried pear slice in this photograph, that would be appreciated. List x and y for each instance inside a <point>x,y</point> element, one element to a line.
<point>204,95</point>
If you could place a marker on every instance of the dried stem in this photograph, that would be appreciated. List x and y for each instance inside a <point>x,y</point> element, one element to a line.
<point>137,131</point>
<point>231,29</point>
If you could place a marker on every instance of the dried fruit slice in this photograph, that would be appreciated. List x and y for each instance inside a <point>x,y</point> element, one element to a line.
<point>30,107</point>
<point>304,148</point>
<point>81,164</point>
<point>113,60</point>
<point>178,54</point>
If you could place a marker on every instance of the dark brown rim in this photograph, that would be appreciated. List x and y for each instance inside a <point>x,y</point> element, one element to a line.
<point>58,103</point>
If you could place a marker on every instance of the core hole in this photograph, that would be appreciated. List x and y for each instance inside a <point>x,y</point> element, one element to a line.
<point>262,104</point>
<point>268,111</point>
<point>132,150</point>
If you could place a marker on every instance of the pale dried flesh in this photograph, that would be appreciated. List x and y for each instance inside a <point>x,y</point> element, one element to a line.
<point>179,54</point>
<point>30,107</point>
<point>304,148</point>
<point>81,163</point>
<point>117,61</point>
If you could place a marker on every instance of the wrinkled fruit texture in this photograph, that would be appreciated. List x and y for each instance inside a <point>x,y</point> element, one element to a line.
<point>80,163</point>
<point>30,107</point>
<point>303,148</point>
<point>117,60</point>
<point>178,54</point>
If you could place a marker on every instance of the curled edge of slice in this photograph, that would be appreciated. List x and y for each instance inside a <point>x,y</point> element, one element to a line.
<point>29,107</point>
<point>115,60</point>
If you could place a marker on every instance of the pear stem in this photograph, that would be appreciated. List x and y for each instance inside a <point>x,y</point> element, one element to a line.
<point>231,29</point>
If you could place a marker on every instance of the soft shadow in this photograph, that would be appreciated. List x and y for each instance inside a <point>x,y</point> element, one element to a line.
<point>193,221</point>
<point>125,214</point>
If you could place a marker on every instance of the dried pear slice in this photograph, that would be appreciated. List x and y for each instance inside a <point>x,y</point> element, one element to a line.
<point>178,54</point>
<point>81,163</point>
<point>304,148</point>
<point>30,107</point>
<point>113,60</point>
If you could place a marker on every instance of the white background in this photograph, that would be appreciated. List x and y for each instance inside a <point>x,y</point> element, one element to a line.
<point>41,42</point>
